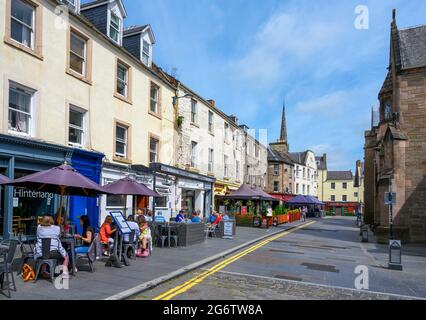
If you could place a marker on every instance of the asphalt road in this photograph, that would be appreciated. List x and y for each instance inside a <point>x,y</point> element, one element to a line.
<point>317,261</point>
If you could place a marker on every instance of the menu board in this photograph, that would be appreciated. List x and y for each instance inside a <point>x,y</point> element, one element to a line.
<point>121,222</point>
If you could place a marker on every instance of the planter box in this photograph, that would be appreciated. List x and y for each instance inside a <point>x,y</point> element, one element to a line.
<point>190,234</point>
<point>244,220</point>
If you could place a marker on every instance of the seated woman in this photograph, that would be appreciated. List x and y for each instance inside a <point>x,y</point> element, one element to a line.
<point>47,230</point>
<point>196,217</point>
<point>105,234</point>
<point>87,237</point>
<point>144,237</point>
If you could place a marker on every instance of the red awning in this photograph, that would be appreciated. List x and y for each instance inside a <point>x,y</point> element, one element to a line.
<point>283,197</point>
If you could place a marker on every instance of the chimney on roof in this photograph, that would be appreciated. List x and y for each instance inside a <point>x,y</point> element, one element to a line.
<point>212,102</point>
<point>234,119</point>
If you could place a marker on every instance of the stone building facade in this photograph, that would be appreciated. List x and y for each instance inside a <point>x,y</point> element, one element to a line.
<point>280,164</point>
<point>395,149</point>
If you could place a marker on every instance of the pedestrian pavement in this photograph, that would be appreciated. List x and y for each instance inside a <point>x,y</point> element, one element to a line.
<point>106,282</point>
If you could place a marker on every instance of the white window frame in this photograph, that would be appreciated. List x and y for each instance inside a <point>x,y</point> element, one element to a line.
<point>73,33</point>
<point>194,149</point>
<point>24,25</point>
<point>276,171</point>
<point>225,166</point>
<point>210,121</point>
<point>125,141</point>
<point>111,14</point>
<point>156,151</point>
<point>237,169</point>
<point>83,128</point>
<point>32,92</point>
<point>125,81</point>
<point>211,160</point>
<point>194,111</point>
<point>154,100</point>
<point>226,129</point>
<point>70,3</point>
<point>146,55</point>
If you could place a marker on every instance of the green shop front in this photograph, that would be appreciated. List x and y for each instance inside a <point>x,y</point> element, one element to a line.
<point>19,207</point>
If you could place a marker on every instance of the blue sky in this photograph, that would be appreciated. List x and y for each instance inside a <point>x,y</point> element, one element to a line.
<point>248,55</point>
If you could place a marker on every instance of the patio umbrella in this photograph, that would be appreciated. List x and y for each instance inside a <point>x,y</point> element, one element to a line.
<point>4,179</point>
<point>60,180</point>
<point>129,187</point>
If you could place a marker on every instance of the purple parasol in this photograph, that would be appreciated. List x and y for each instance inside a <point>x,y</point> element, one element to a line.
<point>129,187</point>
<point>4,179</point>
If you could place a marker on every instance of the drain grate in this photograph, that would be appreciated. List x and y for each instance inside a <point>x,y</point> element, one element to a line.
<point>320,267</point>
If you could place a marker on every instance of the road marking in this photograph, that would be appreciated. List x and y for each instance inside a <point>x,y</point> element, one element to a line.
<point>198,279</point>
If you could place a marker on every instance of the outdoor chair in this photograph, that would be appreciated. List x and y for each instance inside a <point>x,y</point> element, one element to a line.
<point>45,259</point>
<point>162,235</point>
<point>211,230</point>
<point>91,255</point>
<point>174,236</point>
<point>27,248</point>
<point>7,280</point>
<point>129,248</point>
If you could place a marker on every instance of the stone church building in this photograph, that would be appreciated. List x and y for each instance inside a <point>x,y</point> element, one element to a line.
<point>395,148</point>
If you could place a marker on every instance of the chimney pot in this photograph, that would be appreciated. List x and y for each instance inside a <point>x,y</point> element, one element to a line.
<point>212,102</point>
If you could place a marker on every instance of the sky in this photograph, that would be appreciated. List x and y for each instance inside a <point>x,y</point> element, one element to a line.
<point>250,56</point>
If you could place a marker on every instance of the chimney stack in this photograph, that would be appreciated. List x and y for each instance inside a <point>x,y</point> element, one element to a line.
<point>212,102</point>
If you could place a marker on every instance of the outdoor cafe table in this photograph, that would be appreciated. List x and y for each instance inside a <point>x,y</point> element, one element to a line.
<point>70,242</point>
<point>169,226</point>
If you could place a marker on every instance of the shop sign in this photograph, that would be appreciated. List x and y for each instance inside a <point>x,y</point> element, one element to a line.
<point>22,193</point>
<point>228,229</point>
<point>191,185</point>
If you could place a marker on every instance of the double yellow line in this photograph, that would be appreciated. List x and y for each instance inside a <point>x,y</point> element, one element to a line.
<point>200,278</point>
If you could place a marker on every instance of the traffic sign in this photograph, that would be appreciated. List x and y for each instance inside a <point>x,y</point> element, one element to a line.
<point>390,198</point>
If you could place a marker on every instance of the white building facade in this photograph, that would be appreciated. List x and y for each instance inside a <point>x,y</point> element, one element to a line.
<point>305,173</point>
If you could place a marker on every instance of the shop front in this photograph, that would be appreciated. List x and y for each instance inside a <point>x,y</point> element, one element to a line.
<point>192,191</point>
<point>20,208</point>
<point>341,208</point>
<point>164,185</point>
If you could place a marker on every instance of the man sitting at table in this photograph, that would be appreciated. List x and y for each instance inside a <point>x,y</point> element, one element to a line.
<point>159,218</point>
<point>47,230</point>
<point>180,217</point>
<point>133,226</point>
<point>213,217</point>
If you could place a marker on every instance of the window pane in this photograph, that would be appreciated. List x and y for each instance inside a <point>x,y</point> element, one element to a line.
<point>21,34</point>
<point>77,45</point>
<point>23,12</point>
<point>120,148</point>
<point>76,118</point>
<point>120,133</point>
<point>146,47</point>
<point>19,122</point>
<point>116,201</point>
<point>153,145</point>
<point>20,100</point>
<point>115,21</point>
<point>75,135</point>
<point>76,63</point>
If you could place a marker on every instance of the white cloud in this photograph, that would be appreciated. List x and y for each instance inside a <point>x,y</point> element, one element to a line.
<point>332,102</point>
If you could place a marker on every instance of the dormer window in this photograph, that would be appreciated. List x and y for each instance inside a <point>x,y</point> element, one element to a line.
<point>72,4</point>
<point>114,27</point>
<point>146,52</point>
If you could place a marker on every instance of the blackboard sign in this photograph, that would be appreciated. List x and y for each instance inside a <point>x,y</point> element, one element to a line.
<point>228,229</point>
<point>121,222</point>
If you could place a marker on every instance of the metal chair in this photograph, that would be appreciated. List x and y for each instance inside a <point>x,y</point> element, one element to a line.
<point>6,267</point>
<point>174,235</point>
<point>27,248</point>
<point>45,259</point>
<point>129,248</point>
<point>91,253</point>
<point>162,235</point>
<point>211,230</point>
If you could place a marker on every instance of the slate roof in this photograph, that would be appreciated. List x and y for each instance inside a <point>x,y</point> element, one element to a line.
<point>322,162</point>
<point>275,156</point>
<point>133,29</point>
<point>299,157</point>
<point>387,85</point>
<point>412,45</point>
<point>339,175</point>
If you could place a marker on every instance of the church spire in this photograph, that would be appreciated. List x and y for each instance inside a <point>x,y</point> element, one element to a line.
<point>283,137</point>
